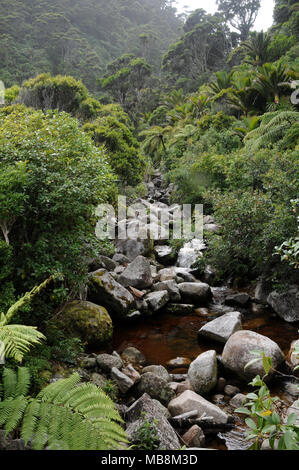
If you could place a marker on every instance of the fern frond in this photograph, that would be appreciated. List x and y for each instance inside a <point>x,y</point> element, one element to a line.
<point>18,339</point>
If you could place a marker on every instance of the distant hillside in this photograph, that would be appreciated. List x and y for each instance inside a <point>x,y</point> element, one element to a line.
<point>80,37</point>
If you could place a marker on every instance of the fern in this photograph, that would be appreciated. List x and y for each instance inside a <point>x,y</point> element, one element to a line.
<point>66,415</point>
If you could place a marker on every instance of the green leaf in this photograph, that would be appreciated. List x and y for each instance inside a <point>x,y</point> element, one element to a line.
<point>243,411</point>
<point>250,423</point>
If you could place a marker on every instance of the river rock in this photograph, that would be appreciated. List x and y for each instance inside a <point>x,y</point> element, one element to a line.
<point>194,437</point>
<point>286,304</point>
<point>147,408</point>
<point>292,356</point>
<point>189,401</point>
<point>138,274</point>
<point>98,380</point>
<point>160,371</point>
<point>132,373</point>
<point>172,289</point>
<point>156,300</point>
<point>197,293</point>
<point>238,300</point>
<point>179,363</point>
<point>238,400</point>
<point>164,254</point>
<point>202,372</point>
<point>172,273</point>
<point>237,353</point>
<point>104,289</point>
<point>180,309</point>
<point>155,387</point>
<point>262,291</point>
<point>88,321</point>
<point>231,390</point>
<point>190,253</point>
<point>119,258</point>
<point>133,356</point>
<point>107,362</point>
<point>123,382</point>
<point>222,328</point>
<point>133,248</point>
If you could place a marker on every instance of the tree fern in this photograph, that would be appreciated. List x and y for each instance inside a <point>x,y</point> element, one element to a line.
<point>66,415</point>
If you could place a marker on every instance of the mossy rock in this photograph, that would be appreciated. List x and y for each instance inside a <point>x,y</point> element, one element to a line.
<point>87,321</point>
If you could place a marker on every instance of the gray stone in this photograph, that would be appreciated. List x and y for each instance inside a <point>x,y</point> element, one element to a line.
<point>212,228</point>
<point>160,371</point>
<point>106,291</point>
<point>164,254</point>
<point>106,362</point>
<point>156,300</point>
<point>197,293</point>
<point>222,328</point>
<point>203,372</point>
<point>131,373</point>
<point>135,247</point>
<point>134,356</point>
<point>138,274</point>
<point>262,290</point>
<point>189,401</point>
<point>155,387</point>
<point>190,253</point>
<point>286,304</point>
<point>166,435</point>
<point>107,263</point>
<point>231,390</point>
<point>194,437</point>
<point>180,309</point>
<point>238,400</point>
<point>173,272</point>
<point>98,380</point>
<point>123,382</point>
<point>238,300</point>
<point>172,289</point>
<point>121,259</point>
<point>238,352</point>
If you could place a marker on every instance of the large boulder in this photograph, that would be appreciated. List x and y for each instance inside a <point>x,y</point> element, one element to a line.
<point>138,274</point>
<point>156,300</point>
<point>164,254</point>
<point>160,371</point>
<point>88,321</point>
<point>155,387</point>
<point>147,408</point>
<point>190,401</point>
<point>286,304</point>
<point>222,328</point>
<point>173,273</point>
<point>135,247</point>
<point>105,289</point>
<point>202,372</point>
<point>190,253</point>
<point>238,352</point>
<point>106,362</point>
<point>197,293</point>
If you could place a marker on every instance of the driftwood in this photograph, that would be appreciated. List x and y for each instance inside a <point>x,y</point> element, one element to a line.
<point>206,423</point>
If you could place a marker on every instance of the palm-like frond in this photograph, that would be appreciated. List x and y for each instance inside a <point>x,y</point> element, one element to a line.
<point>18,339</point>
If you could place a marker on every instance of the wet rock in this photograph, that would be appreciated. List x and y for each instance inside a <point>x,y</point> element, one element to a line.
<point>156,300</point>
<point>168,274</point>
<point>237,353</point>
<point>130,372</point>
<point>179,363</point>
<point>194,437</point>
<point>106,362</point>
<point>171,287</point>
<point>133,356</point>
<point>180,309</point>
<point>231,390</point>
<point>203,372</point>
<point>164,254</point>
<point>138,274</point>
<point>286,304</point>
<point>104,289</point>
<point>238,300</point>
<point>123,382</point>
<point>189,401</point>
<point>160,371</point>
<point>190,253</point>
<point>238,400</point>
<point>155,387</point>
<point>197,293</point>
<point>222,328</point>
<point>88,321</point>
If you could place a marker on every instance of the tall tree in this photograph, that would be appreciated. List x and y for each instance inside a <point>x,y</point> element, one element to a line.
<point>240,14</point>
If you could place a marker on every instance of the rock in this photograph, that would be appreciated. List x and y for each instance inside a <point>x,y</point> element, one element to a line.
<point>130,372</point>
<point>133,248</point>
<point>197,293</point>
<point>262,290</point>
<point>156,300</point>
<point>212,228</point>
<point>98,380</point>
<point>162,409</point>
<point>123,382</point>
<point>189,401</point>
<point>217,399</point>
<point>103,288</point>
<point>238,400</point>
<point>160,371</point>
<point>121,259</point>
<point>238,300</point>
<point>190,253</point>
<point>183,386</point>
<point>88,362</point>
<point>203,372</point>
<point>155,387</point>
<point>164,255</point>
<point>294,408</point>
<point>194,437</point>
<point>231,390</point>
<point>134,356</point>
<point>221,383</point>
<point>171,287</point>
<point>179,363</point>
<point>237,353</point>
<point>133,316</point>
<point>90,322</point>
<point>222,328</point>
<point>119,270</point>
<point>170,274</point>
<point>286,304</point>
<point>106,263</point>
<point>107,362</point>
<point>292,356</point>
<point>138,274</point>
<point>180,309</point>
